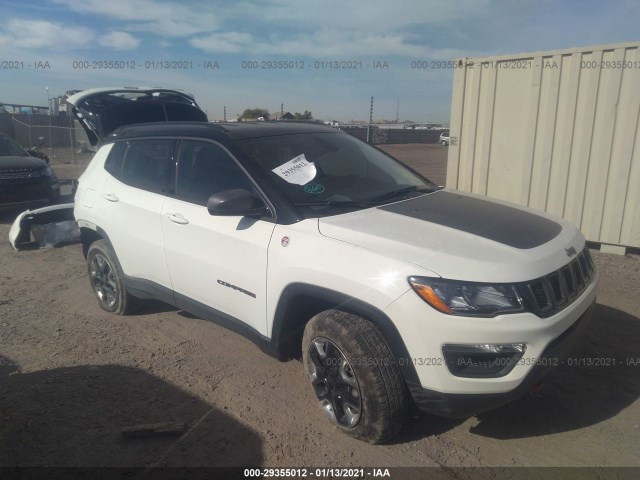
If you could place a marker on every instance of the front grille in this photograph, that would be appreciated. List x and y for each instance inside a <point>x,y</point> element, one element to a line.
<point>555,291</point>
<point>12,173</point>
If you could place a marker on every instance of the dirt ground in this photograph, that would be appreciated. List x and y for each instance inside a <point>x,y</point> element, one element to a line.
<point>429,160</point>
<point>72,377</point>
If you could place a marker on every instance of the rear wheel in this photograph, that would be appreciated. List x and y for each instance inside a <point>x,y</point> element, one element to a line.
<point>354,375</point>
<point>106,276</point>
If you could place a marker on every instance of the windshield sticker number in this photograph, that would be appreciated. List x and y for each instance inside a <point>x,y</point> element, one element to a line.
<point>298,170</point>
<point>314,188</point>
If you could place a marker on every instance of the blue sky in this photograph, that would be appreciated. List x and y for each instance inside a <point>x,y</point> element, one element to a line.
<point>61,32</point>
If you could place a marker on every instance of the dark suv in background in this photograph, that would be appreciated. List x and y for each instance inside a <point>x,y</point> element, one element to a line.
<point>25,180</point>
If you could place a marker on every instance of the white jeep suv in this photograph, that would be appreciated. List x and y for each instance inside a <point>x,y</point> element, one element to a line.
<point>318,246</point>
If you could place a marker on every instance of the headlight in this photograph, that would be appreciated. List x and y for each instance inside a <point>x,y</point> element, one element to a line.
<point>47,172</point>
<point>467,298</point>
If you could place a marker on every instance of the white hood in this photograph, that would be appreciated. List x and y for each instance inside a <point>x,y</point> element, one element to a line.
<point>461,236</point>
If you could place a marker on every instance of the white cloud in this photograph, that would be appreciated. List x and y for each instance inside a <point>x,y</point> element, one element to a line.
<point>41,33</point>
<point>320,29</point>
<point>322,44</point>
<point>119,41</point>
<point>229,42</point>
<point>335,28</point>
<point>335,44</point>
<point>374,15</point>
<point>171,19</point>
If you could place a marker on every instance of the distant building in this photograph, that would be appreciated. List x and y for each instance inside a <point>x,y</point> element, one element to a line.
<point>282,116</point>
<point>15,108</point>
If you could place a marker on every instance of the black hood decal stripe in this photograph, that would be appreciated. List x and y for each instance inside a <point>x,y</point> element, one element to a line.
<point>484,218</point>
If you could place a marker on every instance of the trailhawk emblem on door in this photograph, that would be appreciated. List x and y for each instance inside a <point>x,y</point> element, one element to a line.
<point>246,292</point>
<point>571,251</point>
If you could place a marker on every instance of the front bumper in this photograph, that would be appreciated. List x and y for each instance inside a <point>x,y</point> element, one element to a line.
<point>458,405</point>
<point>20,232</point>
<point>40,191</point>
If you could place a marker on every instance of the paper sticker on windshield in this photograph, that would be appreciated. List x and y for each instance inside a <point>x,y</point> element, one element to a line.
<point>298,171</point>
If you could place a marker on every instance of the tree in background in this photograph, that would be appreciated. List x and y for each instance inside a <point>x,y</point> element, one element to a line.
<point>307,115</point>
<point>253,113</point>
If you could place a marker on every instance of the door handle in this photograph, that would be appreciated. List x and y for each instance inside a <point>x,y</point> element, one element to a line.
<point>112,197</point>
<point>177,218</point>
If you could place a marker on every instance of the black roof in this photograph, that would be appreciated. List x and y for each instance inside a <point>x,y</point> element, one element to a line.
<point>235,130</point>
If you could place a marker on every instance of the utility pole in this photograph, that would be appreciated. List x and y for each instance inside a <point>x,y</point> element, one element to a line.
<point>49,110</point>
<point>398,112</point>
<point>370,121</point>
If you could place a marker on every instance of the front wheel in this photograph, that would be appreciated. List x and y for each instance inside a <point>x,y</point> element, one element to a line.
<point>354,375</point>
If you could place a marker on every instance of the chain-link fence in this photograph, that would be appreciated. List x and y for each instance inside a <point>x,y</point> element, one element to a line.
<point>60,137</point>
<point>377,134</point>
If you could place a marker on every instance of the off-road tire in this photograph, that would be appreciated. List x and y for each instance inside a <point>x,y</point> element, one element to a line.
<point>382,392</point>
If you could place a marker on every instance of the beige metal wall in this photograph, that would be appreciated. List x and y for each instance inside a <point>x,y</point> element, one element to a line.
<point>557,131</point>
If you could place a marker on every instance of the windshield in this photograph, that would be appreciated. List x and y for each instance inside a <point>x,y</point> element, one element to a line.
<point>320,172</point>
<point>9,148</point>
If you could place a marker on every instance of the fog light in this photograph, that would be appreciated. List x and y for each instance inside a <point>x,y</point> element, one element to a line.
<point>482,361</point>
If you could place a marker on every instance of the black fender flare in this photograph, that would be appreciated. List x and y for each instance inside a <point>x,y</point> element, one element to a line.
<point>287,325</point>
<point>89,235</point>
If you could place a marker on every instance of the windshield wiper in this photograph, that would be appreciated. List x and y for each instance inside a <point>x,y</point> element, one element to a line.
<point>333,203</point>
<point>401,191</point>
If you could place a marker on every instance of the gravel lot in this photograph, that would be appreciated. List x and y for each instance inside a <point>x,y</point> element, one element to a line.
<point>72,376</point>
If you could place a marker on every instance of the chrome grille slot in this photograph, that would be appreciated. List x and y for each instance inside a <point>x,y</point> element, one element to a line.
<point>583,265</point>
<point>577,274</point>
<point>539,292</point>
<point>567,278</point>
<point>590,264</point>
<point>559,298</point>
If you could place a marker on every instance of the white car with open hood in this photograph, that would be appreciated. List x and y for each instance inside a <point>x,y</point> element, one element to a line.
<point>318,246</point>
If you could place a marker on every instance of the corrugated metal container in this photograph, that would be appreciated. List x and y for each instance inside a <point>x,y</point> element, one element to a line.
<point>557,131</point>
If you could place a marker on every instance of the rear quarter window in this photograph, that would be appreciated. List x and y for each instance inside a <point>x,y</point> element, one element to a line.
<point>113,164</point>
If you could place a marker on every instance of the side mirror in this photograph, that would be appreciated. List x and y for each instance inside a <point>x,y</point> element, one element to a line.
<point>236,203</point>
<point>33,152</point>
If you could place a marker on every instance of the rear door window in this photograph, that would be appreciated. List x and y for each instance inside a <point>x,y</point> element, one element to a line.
<point>150,165</point>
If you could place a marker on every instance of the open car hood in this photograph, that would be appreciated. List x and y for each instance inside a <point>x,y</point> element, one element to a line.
<point>101,111</point>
